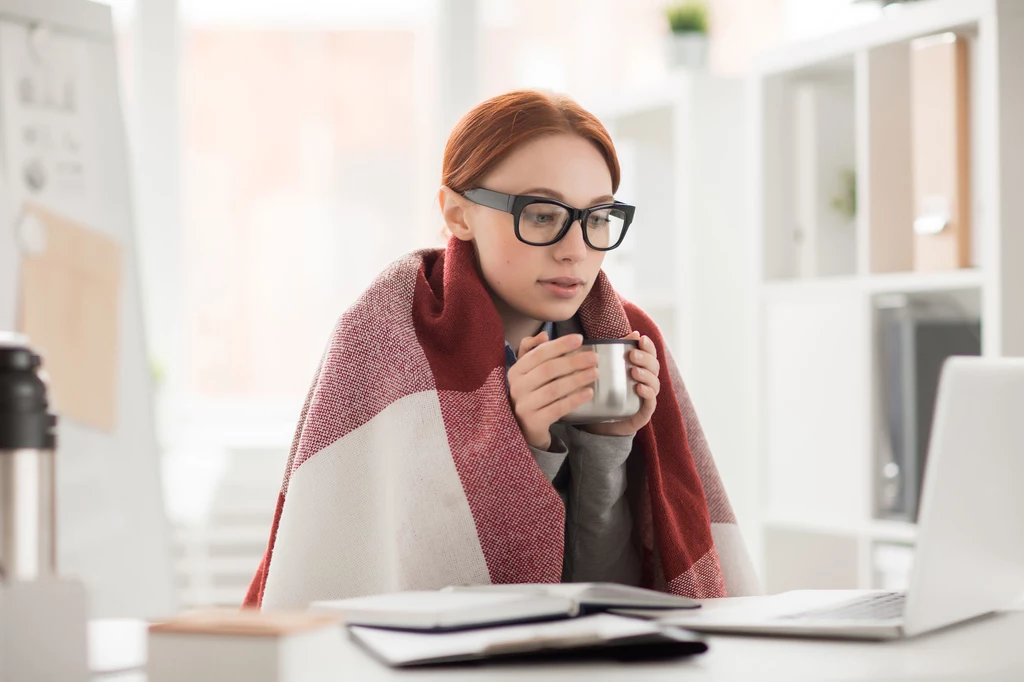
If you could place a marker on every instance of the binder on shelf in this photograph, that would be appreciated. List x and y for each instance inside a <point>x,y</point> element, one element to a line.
<point>915,337</point>
<point>941,152</point>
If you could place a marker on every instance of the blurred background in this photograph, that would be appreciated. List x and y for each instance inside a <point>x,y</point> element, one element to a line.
<point>283,152</point>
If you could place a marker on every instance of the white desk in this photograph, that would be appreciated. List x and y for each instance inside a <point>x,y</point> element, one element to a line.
<point>987,650</point>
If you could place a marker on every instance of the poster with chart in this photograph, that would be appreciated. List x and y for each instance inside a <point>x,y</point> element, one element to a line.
<point>68,293</point>
<point>44,91</point>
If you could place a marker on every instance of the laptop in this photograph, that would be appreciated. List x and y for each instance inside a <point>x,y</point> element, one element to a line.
<point>970,544</point>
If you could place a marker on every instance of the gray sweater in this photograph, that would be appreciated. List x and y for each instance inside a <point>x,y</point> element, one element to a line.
<point>589,473</point>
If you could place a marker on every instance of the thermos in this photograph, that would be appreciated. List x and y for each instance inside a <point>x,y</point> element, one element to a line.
<point>28,542</point>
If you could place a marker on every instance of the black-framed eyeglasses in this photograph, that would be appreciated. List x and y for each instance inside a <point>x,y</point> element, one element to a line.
<point>540,221</point>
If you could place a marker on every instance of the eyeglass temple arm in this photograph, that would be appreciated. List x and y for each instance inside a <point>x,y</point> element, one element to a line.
<point>491,199</point>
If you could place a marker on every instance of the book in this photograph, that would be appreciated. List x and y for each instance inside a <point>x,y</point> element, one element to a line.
<point>255,646</point>
<point>590,597</point>
<point>465,607</point>
<point>940,115</point>
<point>447,610</point>
<point>599,635</point>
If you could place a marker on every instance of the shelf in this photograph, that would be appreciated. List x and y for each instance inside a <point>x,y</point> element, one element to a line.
<point>814,285</point>
<point>892,531</point>
<point>874,530</point>
<point>895,283</point>
<point>810,525</point>
<point>913,22</point>
<point>914,282</point>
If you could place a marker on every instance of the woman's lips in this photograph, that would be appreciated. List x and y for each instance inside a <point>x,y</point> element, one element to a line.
<point>563,287</point>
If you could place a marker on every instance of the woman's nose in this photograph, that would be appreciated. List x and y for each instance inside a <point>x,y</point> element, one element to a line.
<point>572,246</point>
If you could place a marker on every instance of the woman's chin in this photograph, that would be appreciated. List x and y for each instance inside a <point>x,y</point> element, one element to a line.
<point>555,312</point>
<point>541,308</point>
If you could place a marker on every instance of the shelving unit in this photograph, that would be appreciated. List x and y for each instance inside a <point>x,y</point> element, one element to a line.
<point>844,102</point>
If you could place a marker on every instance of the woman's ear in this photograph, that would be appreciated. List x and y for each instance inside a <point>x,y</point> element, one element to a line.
<point>453,210</point>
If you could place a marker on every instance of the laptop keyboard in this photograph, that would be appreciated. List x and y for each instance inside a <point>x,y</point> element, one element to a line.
<point>883,606</point>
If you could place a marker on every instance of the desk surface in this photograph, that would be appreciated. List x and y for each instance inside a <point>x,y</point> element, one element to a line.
<point>987,650</point>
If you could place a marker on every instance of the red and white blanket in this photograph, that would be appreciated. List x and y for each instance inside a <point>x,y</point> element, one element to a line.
<point>408,469</point>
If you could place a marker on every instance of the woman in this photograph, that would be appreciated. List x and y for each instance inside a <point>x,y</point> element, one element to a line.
<point>429,451</point>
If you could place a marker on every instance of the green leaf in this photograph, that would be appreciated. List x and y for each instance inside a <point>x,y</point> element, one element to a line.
<point>688,17</point>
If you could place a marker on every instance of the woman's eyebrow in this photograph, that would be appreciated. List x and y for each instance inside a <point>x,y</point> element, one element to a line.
<point>544,191</point>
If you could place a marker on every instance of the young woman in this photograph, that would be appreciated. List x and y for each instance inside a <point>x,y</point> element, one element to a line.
<point>429,451</point>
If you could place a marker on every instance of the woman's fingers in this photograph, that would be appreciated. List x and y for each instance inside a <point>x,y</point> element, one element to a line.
<point>646,358</point>
<point>646,379</point>
<point>564,406</point>
<point>554,369</point>
<point>650,403</point>
<point>560,388</point>
<point>646,371</point>
<point>540,353</point>
<point>531,342</point>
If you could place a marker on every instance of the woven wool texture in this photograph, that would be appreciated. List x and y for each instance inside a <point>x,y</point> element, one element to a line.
<point>427,327</point>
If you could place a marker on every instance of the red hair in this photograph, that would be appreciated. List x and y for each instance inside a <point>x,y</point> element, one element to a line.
<point>493,129</point>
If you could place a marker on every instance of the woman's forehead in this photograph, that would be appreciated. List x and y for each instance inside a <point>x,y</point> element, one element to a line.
<point>567,166</point>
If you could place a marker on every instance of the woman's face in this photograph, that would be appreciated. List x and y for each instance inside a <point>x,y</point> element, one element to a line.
<point>539,282</point>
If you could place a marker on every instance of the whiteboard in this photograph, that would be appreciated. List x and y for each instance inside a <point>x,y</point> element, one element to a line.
<point>112,529</point>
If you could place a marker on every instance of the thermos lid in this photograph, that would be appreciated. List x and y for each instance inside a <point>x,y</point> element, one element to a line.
<point>25,419</point>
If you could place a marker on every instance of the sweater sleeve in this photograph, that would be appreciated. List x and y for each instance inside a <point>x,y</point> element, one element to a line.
<point>550,461</point>
<point>599,542</point>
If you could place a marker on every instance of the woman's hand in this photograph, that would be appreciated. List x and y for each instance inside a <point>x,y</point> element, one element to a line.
<point>646,369</point>
<point>549,381</point>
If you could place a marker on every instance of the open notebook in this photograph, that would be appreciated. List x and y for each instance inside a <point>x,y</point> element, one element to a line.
<point>601,635</point>
<point>458,608</point>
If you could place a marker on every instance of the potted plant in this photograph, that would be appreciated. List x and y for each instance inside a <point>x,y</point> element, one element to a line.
<point>688,43</point>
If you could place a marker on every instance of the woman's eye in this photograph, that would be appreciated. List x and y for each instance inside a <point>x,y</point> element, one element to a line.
<point>541,218</point>
<point>598,221</point>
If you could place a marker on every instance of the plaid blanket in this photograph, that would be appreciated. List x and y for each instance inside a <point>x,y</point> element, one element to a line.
<point>408,469</point>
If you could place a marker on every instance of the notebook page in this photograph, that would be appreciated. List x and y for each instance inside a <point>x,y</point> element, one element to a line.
<point>401,648</point>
